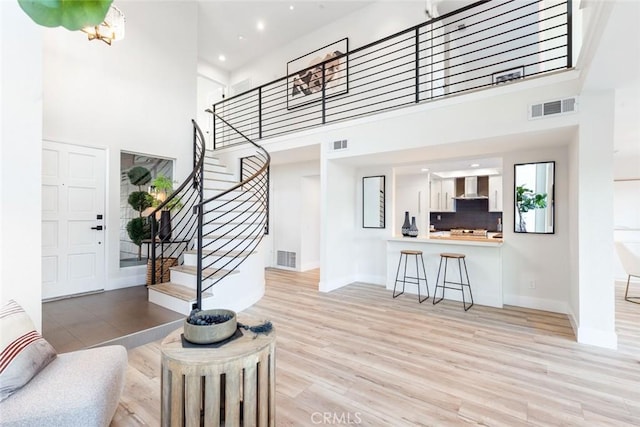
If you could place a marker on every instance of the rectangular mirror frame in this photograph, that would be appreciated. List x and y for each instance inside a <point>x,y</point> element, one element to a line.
<point>550,206</point>
<point>378,203</point>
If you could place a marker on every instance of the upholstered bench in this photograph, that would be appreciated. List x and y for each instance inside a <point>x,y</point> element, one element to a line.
<point>80,388</point>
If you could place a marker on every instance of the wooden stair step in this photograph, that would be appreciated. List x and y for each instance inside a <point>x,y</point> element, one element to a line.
<point>178,291</point>
<point>219,253</point>
<point>192,269</point>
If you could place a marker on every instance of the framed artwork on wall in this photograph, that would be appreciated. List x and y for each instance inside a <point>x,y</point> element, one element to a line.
<point>304,81</point>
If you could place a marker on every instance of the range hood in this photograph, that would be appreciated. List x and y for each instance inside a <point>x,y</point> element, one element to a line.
<point>470,189</point>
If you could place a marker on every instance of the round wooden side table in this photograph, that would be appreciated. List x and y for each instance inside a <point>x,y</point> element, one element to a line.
<point>231,385</point>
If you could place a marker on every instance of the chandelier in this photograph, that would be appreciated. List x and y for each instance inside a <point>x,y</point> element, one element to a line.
<point>112,28</point>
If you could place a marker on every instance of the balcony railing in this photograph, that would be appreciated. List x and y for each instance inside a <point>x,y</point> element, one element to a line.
<point>485,44</point>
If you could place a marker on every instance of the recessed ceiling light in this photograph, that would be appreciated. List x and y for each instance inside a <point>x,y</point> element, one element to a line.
<point>222,58</point>
<point>240,37</point>
<point>424,169</point>
<point>291,7</point>
<point>474,165</point>
<point>260,26</point>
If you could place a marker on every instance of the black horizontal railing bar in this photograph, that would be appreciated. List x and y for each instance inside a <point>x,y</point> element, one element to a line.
<point>374,77</point>
<point>491,84</point>
<point>494,64</point>
<point>361,48</point>
<point>498,34</point>
<point>538,42</point>
<point>504,32</point>
<point>245,181</point>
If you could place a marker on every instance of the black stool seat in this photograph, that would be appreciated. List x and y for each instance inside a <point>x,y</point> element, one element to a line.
<point>460,286</point>
<point>417,279</point>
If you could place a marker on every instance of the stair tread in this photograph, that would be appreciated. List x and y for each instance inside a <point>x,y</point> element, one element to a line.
<point>178,291</point>
<point>218,253</point>
<point>191,269</point>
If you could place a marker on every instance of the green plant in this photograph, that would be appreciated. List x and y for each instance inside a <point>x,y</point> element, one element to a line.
<point>139,228</point>
<point>70,14</point>
<point>527,200</point>
<point>164,188</point>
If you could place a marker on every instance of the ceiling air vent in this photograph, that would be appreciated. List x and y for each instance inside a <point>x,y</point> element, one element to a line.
<point>552,108</point>
<point>339,145</point>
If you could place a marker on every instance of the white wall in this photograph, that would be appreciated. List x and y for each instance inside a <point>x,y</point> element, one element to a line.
<point>371,243</point>
<point>595,219</point>
<point>541,258</point>
<point>310,223</point>
<point>138,95</point>
<point>372,23</point>
<point>338,225</point>
<point>408,189</point>
<point>20,160</point>
<point>292,202</point>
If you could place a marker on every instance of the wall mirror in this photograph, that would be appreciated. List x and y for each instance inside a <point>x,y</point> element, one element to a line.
<point>373,202</point>
<point>534,197</point>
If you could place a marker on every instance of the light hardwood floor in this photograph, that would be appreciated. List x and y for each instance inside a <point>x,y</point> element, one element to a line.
<point>356,356</point>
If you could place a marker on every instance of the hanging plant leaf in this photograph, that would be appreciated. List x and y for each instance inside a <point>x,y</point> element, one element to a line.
<point>70,14</point>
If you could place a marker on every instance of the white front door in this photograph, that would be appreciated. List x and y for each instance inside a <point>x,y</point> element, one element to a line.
<point>73,207</point>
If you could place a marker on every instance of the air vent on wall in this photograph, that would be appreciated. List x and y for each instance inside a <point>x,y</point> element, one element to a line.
<point>339,145</point>
<point>286,259</point>
<point>551,108</point>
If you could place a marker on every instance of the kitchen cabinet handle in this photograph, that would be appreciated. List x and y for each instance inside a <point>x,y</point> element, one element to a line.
<point>495,202</point>
<point>419,197</point>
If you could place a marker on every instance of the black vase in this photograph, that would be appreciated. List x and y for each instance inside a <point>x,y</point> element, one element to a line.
<point>406,225</point>
<point>413,230</point>
<point>165,225</point>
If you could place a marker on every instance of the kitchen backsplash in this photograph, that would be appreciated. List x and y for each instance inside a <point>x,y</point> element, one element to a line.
<point>470,214</point>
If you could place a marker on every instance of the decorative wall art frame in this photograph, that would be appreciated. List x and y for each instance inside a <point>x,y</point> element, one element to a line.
<point>506,76</point>
<point>304,81</point>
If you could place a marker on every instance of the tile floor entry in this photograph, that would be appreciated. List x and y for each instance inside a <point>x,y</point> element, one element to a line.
<point>84,321</point>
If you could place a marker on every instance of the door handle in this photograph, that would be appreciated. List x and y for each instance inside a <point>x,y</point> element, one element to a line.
<point>98,227</point>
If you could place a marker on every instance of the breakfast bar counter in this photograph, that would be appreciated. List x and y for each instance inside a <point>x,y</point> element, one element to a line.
<point>483,259</point>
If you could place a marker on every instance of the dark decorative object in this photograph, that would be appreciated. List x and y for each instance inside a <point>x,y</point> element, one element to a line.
<point>407,225</point>
<point>413,230</point>
<point>304,82</point>
<point>165,225</point>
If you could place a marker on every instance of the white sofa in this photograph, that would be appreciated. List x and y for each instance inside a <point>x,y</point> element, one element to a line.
<point>80,388</point>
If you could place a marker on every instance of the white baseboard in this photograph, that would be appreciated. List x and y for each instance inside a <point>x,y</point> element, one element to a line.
<point>332,285</point>
<point>553,306</point>
<point>372,279</point>
<point>573,320</point>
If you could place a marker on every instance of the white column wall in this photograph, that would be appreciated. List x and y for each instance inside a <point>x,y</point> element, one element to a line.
<point>310,223</point>
<point>538,258</point>
<point>20,160</point>
<point>338,225</point>
<point>138,95</point>
<point>595,219</point>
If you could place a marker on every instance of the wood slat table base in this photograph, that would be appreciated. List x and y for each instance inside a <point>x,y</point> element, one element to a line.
<point>233,385</point>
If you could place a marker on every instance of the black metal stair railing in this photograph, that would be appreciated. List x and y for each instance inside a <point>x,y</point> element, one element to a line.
<point>482,45</point>
<point>231,223</point>
<point>176,235</point>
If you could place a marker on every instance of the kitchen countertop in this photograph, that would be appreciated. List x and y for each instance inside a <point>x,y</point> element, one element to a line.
<point>446,237</point>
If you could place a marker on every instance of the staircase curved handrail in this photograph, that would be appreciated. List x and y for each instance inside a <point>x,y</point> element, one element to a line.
<point>241,220</point>
<point>181,229</point>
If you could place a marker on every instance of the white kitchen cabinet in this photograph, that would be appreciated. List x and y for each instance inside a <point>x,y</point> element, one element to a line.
<point>495,193</point>
<point>441,193</point>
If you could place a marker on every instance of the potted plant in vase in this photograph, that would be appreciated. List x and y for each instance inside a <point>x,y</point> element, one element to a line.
<point>139,228</point>
<point>163,189</point>
<point>527,200</point>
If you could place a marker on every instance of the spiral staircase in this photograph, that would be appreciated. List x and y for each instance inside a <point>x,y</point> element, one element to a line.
<point>211,252</point>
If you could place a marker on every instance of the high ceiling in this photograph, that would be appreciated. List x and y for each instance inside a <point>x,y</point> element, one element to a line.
<point>230,28</point>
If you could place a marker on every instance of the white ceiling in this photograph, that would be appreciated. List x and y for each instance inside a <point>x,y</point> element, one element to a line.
<point>220,23</point>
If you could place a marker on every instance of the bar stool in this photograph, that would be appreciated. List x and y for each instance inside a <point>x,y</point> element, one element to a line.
<point>445,257</point>
<point>414,280</point>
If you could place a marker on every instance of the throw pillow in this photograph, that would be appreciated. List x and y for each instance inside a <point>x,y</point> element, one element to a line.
<point>23,351</point>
